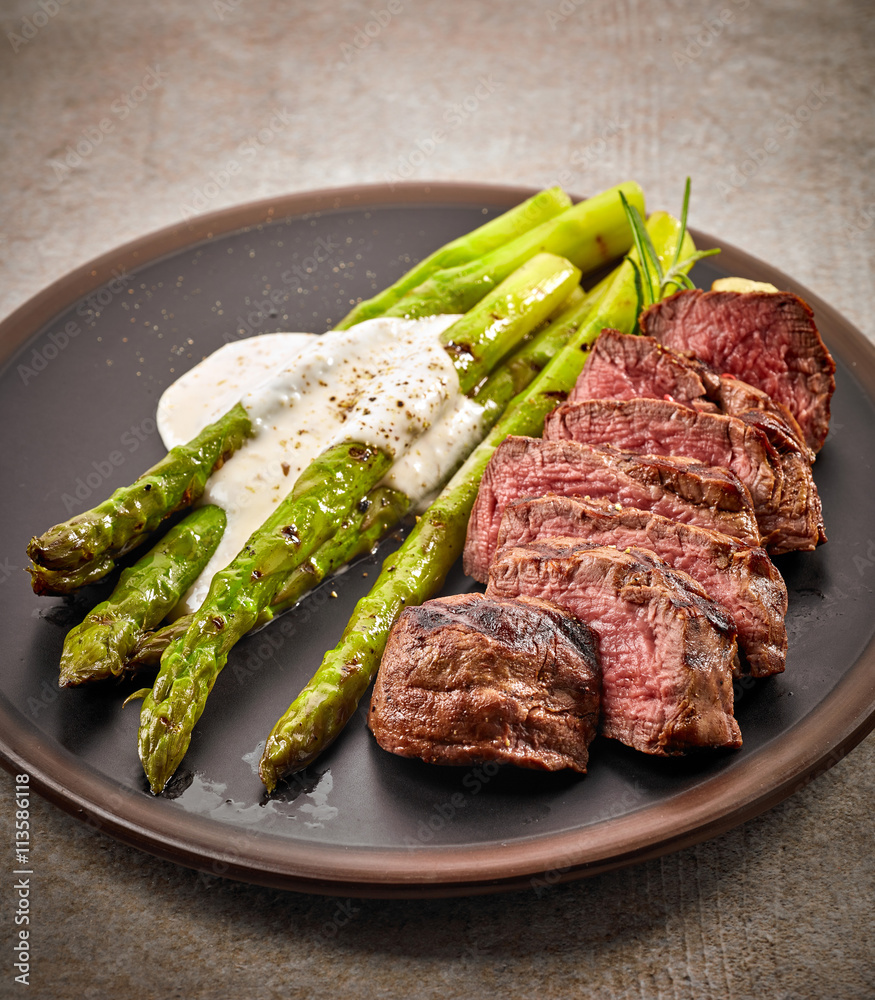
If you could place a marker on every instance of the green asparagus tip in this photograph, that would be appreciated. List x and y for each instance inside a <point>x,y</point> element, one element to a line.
<point>163,739</point>
<point>276,762</point>
<point>70,677</point>
<point>157,763</point>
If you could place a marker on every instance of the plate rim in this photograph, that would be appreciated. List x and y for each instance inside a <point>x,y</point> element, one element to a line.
<point>795,757</point>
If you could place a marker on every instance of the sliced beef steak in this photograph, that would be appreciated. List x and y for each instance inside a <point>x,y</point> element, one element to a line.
<point>768,339</point>
<point>796,524</point>
<point>740,399</point>
<point>667,651</point>
<point>664,427</point>
<point>744,580</point>
<point>628,367</point>
<point>470,679</point>
<point>678,488</point>
<point>623,366</point>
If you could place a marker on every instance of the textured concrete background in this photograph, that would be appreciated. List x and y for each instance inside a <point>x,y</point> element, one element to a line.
<point>119,119</point>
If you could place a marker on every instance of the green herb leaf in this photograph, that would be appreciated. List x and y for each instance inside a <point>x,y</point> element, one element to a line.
<point>652,283</point>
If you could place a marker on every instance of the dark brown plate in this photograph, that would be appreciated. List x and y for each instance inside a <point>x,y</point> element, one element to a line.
<point>89,358</point>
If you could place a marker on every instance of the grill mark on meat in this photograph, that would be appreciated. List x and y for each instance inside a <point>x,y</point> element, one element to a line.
<point>744,580</point>
<point>493,618</point>
<point>680,488</point>
<point>667,650</point>
<point>768,339</point>
<point>468,679</point>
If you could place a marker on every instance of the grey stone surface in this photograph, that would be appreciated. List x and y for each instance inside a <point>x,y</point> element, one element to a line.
<point>768,106</point>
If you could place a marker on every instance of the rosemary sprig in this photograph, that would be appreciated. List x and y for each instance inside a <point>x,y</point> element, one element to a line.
<point>652,283</point>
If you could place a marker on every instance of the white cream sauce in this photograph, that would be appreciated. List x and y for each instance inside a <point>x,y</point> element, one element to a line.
<point>213,386</point>
<point>387,383</point>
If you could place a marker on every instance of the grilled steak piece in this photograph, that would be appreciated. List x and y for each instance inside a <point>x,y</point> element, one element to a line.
<point>740,399</point>
<point>743,580</point>
<point>626,367</point>
<point>471,679</point>
<point>663,427</point>
<point>667,651</point>
<point>796,523</point>
<point>678,488</point>
<point>768,339</point>
<point>623,366</point>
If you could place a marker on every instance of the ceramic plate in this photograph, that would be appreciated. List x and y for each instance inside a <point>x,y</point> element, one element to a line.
<point>87,361</point>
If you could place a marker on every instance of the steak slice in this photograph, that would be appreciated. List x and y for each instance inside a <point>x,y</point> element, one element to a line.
<point>740,399</point>
<point>472,679</point>
<point>743,580</point>
<point>796,524</point>
<point>678,488</point>
<point>624,366</point>
<point>663,427</point>
<point>667,651</point>
<point>768,339</point>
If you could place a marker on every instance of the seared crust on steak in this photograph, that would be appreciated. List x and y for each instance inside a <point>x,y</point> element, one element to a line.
<point>679,488</point>
<point>667,651</point>
<point>796,524</point>
<point>743,580</point>
<point>769,339</point>
<point>470,679</point>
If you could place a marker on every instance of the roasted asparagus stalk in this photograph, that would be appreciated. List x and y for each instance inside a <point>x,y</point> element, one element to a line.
<point>589,234</point>
<point>103,643</point>
<point>518,220</point>
<point>84,549</point>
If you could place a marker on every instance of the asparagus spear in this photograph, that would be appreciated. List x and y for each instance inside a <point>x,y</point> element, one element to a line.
<point>359,532</point>
<point>65,581</point>
<point>102,643</point>
<point>516,374</point>
<point>520,219</point>
<point>493,327</point>
<point>589,234</point>
<point>84,548</point>
<point>417,570</point>
<point>310,514</point>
